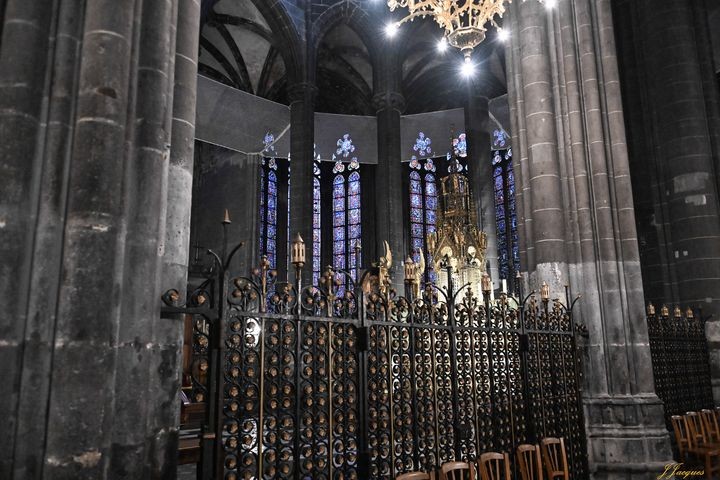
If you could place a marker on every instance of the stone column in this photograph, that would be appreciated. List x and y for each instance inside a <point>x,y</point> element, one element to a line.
<point>36,123</point>
<point>578,218</point>
<point>166,367</point>
<point>669,69</point>
<point>390,224</point>
<point>477,118</point>
<point>88,90</point>
<point>302,152</point>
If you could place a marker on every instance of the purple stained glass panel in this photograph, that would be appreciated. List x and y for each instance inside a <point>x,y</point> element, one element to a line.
<point>354,187</point>
<point>271,231</point>
<point>430,217</point>
<point>415,201</point>
<point>417,243</point>
<point>316,249</point>
<point>339,261</point>
<point>415,187</point>
<point>354,216</point>
<point>430,189</point>
<point>416,215</point>
<point>430,229</point>
<point>339,204</point>
<point>431,203</point>
<point>354,201</point>
<point>354,231</point>
<point>272,202</point>
<point>339,233</point>
<point>272,216</point>
<point>416,230</point>
<point>339,247</point>
<point>339,219</point>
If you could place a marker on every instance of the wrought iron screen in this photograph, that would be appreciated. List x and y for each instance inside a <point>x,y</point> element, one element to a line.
<point>368,386</point>
<point>680,359</point>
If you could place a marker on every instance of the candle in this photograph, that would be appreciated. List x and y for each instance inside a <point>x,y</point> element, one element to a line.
<point>503,284</point>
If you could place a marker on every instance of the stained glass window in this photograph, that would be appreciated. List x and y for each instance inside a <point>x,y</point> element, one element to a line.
<point>506,214</point>
<point>317,232</point>
<point>423,209</point>
<point>269,210</point>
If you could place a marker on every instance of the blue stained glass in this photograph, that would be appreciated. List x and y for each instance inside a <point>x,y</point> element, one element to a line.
<point>416,215</point>
<point>415,186</point>
<point>500,213</point>
<point>430,229</point>
<point>271,259</point>
<point>430,217</point>
<point>271,245</point>
<point>354,216</point>
<point>511,176</point>
<point>416,256</point>
<point>417,243</point>
<point>499,200</point>
<point>262,215</point>
<point>415,201</point>
<point>430,178</point>
<point>272,202</point>
<point>339,247</point>
<point>316,249</point>
<point>339,191</point>
<point>316,220</point>
<point>498,182</point>
<point>338,204</point>
<point>339,233</point>
<point>339,261</point>
<point>354,231</point>
<point>339,219</point>
<point>271,231</point>
<point>354,177</point>
<point>415,176</point>
<point>501,226</point>
<point>416,229</point>
<point>351,263</point>
<point>272,216</point>
<point>354,187</point>
<point>431,203</point>
<point>354,201</point>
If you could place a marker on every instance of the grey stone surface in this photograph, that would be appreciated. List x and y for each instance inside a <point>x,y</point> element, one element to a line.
<point>576,218</point>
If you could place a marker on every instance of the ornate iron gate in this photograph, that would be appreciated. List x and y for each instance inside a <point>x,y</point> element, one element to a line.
<point>680,360</point>
<point>368,385</point>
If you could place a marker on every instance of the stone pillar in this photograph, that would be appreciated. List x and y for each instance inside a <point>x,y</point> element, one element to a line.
<point>88,89</point>
<point>302,152</point>
<point>167,335</point>
<point>578,219</point>
<point>668,67</point>
<point>477,118</point>
<point>36,122</point>
<point>390,221</point>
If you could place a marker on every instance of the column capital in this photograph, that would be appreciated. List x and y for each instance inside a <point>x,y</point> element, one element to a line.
<point>303,91</point>
<point>388,100</point>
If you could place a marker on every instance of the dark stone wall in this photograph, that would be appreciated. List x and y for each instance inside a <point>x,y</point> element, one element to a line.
<point>88,100</point>
<point>670,94</point>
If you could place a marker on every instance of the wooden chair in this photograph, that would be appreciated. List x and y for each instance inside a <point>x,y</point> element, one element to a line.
<point>414,476</point>
<point>712,426</point>
<point>528,457</point>
<point>698,435</point>
<point>494,466</point>
<point>555,458</point>
<point>681,435</point>
<point>689,432</point>
<point>457,471</point>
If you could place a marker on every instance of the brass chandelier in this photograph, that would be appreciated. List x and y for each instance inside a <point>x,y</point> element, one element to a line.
<point>464,21</point>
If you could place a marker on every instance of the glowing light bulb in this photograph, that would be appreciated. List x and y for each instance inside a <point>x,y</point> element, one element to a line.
<point>391,29</point>
<point>467,69</point>
<point>442,45</point>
